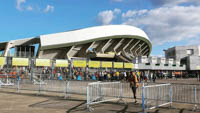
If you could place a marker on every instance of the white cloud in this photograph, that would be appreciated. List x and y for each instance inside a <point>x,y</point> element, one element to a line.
<point>166,24</point>
<point>49,8</point>
<point>20,5</point>
<point>117,0</point>
<point>106,17</point>
<point>132,13</point>
<point>29,8</point>
<point>117,11</point>
<point>174,2</point>
<point>19,2</point>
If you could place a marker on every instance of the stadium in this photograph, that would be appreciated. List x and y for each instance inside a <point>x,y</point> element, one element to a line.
<point>97,66</point>
<point>110,42</point>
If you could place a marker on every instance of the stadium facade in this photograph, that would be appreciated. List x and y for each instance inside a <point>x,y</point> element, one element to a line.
<point>111,42</point>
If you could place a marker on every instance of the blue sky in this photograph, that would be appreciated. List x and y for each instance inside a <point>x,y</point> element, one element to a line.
<point>167,22</point>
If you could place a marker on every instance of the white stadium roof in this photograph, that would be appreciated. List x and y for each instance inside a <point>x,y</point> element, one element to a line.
<point>90,34</point>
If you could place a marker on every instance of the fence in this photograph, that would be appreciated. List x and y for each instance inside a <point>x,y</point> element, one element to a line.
<point>99,92</point>
<point>5,80</point>
<point>156,95</point>
<point>187,93</point>
<point>77,87</point>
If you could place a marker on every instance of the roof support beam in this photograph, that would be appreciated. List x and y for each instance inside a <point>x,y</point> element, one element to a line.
<point>106,45</point>
<point>146,53</point>
<point>88,49</point>
<point>118,44</point>
<point>7,49</point>
<point>139,48</point>
<point>131,50</point>
<point>124,48</point>
<point>101,45</point>
<point>69,56</point>
<point>127,44</point>
<point>143,50</point>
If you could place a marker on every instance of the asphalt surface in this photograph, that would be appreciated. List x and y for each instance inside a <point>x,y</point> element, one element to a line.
<point>29,102</point>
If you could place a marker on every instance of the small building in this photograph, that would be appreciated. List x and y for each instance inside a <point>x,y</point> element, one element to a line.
<point>188,55</point>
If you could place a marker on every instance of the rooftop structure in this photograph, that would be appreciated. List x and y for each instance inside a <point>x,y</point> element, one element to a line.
<point>179,52</point>
<point>188,55</point>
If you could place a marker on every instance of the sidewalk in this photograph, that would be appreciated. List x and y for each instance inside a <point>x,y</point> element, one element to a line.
<point>29,103</point>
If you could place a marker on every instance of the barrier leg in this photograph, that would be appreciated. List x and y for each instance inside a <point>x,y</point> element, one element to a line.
<point>121,95</point>
<point>90,109</point>
<point>195,99</point>
<point>171,96</point>
<point>0,83</point>
<point>17,86</point>
<point>143,99</point>
<point>39,87</point>
<point>67,90</point>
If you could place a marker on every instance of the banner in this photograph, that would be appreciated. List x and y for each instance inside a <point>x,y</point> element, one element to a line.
<point>2,60</point>
<point>128,65</point>
<point>106,64</point>
<point>79,63</point>
<point>94,64</point>
<point>20,62</point>
<point>43,62</point>
<point>118,64</point>
<point>61,63</point>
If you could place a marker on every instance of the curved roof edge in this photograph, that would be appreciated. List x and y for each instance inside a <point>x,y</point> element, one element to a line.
<point>91,34</point>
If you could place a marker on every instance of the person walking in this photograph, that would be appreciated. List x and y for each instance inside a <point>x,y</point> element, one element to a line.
<point>133,80</point>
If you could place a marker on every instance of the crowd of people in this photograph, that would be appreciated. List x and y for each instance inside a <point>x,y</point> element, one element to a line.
<point>86,74</point>
<point>116,75</point>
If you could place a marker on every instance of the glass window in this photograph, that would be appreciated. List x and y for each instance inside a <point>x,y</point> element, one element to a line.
<point>190,51</point>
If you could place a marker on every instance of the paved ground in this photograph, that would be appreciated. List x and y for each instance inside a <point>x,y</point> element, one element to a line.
<point>28,102</point>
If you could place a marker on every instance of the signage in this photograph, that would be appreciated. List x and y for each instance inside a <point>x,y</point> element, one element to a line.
<point>61,63</point>
<point>79,63</point>
<point>20,61</point>
<point>107,64</point>
<point>2,60</point>
<point>43,62</point>
<point>94,64</point>
<point>128,65</point>
<point>118,64</point>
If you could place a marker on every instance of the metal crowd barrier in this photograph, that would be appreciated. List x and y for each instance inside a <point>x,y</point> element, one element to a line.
<point>5,80</point>
<point>127,91</point>
<point>98,92</point>
<point>154,96</point>
<point>77,87</point>
<point>187,93</point>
